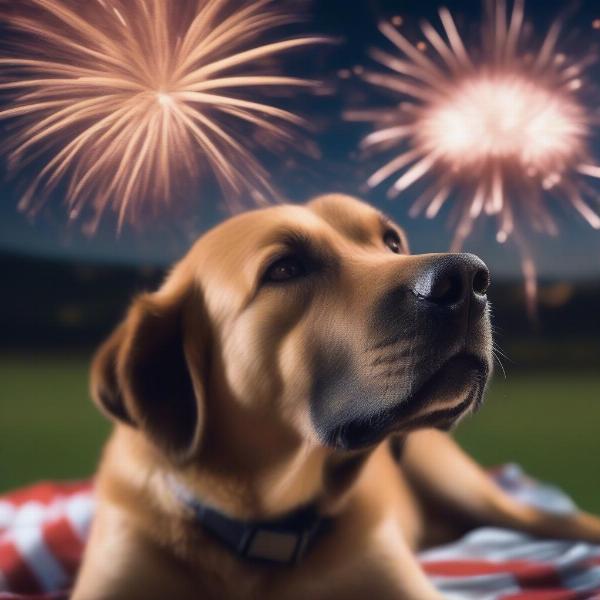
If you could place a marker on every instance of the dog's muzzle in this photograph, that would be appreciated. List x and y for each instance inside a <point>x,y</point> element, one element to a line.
<point>427,364</point>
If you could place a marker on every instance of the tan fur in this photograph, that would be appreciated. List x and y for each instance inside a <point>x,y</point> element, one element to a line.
<point>207,380</point>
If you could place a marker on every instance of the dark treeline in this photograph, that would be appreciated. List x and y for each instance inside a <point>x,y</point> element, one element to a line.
<point>61,306</point>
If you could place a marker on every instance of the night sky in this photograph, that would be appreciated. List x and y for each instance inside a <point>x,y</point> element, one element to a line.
<point>575,254</point>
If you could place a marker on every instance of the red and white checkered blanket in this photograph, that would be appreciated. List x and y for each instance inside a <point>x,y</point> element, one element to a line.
<point>43,530</point>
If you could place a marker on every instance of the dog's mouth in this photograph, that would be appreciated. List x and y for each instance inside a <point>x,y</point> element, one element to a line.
<point>455,388</point>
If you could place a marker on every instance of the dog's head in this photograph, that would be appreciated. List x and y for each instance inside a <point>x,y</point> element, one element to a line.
<point>292,323</point>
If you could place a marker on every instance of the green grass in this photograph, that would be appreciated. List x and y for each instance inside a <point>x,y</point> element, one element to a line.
<point>547,422</point>
<point>49,428</point>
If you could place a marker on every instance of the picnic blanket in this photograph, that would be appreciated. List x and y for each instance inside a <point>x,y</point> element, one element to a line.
<point>43,529</point>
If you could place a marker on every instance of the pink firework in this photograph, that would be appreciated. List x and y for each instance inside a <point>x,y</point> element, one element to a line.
<point>121,102</point>
<point>495,132</point>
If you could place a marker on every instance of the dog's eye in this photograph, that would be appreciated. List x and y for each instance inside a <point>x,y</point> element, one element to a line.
<point>392,240</point>
<point>283,269</point>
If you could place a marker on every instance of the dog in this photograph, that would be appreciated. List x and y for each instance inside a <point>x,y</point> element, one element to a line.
<point>281,408</point>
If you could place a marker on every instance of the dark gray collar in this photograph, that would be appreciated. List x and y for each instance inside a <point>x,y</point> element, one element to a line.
<point>283,541</point>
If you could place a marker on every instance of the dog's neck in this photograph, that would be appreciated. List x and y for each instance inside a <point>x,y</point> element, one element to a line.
<point>301,476</point>
<point>309,478</point>
<point>304,475</point>
<point>283,540</point>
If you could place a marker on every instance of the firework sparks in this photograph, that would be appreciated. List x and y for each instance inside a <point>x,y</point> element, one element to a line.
<point>124,99</point>
<point>494,132</point>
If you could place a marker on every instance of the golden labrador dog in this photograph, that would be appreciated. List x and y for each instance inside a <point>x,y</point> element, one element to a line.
<point>280,406</point>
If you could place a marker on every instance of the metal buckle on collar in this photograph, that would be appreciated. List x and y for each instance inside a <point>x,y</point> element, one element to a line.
<point>283,541</point>
<point>276,545</point>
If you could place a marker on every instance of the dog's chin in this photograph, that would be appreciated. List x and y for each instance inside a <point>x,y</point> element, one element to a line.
<point>453,390</point>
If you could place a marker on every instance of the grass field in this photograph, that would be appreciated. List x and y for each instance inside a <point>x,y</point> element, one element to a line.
<point>547,422</point>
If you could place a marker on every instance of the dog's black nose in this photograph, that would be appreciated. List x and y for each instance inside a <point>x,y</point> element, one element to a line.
<point>453,279</point>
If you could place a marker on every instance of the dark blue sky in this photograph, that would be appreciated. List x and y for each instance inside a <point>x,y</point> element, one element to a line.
<point>575,254</point>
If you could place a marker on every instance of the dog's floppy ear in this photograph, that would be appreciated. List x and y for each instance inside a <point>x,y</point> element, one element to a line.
<point>148,376</point>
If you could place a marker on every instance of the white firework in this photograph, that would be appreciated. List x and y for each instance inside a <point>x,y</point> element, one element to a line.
<point>494,131</point>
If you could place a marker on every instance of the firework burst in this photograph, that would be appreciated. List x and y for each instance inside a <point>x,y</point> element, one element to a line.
<point>122,100</point>
<point>494,131</point>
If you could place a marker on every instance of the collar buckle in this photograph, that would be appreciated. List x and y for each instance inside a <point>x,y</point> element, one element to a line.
<point>283,541</point>
<point>278,544</point>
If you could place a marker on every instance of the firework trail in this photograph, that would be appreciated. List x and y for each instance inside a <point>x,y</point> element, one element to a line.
<point>122,100</point>
<point>496,131</point>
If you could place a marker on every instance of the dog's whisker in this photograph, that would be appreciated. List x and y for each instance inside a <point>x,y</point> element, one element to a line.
<point>500,363</point>
<point>499,351</point>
